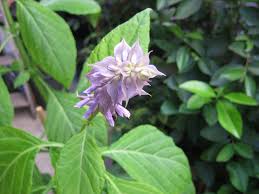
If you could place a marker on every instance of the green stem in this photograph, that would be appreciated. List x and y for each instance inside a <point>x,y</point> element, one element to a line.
<point>52,144</point>
<point>10,24</point>
<point>88,121</point>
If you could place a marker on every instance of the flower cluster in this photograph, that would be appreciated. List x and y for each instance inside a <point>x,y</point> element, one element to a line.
<point>116,79</point>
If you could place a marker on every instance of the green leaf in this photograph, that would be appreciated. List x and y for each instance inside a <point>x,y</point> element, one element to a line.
<point>250,86</point>
<point>239,48</point>
<point>17,150</point>
<point>214,133</point>
<point>226,189</point>
<point>137,28</point>
<point>249,15</point>
<point>69,120</point>
<point>226,153</point>
<point>230,118</point>
<point>227,74</point>
<point>207,66</point>
<point>98,129</point>
<point>80,168</point>
<point>205,172</point>
<point>244,150</point>
<point>238,176</point>
<point>183,59</point>
<point>63,119</point>
<point>240,98</point>
<point>187,8</point>
<point>196,102</point>
<point>39,184</point>
<point>6,107</point>
<point>119,186</point>
<point>210,114</point>
<point>48,40</point>
<point>161,4</point>
<point>168,108</point>
<point>79,7</point>
<point>145,153</point>
<point>198,87</point>
<point>22,78</point>
<point>210,154</point>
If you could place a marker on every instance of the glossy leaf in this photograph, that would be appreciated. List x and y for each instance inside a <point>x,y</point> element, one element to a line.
<point>78,7</point>
<point>238,48</point>
<point>227,74</point>
<point>238,176</point>
<point>230,118</point>
<point>187,8</point>
<point>244,150</point>
<point>214,133</point>
<point>80,168</point>
<point>183,59</point>
<point>198,87</point>
<point>241,98</point>
<point>17,150</point>
<point>250,86</point>
<point>48,40</point>
<point>196,101</point>
<point>168,108</point>
<point>210,154</point>
<point>210,114</point>
<point>119,186</point>
<point>161,4</point>
<point>6,107</point>
<point>137,28</point>
<point>145,153</point>
<point>226,153</point>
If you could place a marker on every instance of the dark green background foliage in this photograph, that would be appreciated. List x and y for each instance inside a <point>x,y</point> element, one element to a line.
<point>216,42</point>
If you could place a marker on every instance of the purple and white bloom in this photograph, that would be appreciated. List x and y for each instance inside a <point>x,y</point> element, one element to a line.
<point>116,79</point>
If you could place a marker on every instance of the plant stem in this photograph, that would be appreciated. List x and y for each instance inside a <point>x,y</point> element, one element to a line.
<point>11,25</point>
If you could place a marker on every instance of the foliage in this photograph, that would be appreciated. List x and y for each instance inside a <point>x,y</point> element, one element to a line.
<point>209,101</point>
<point>79,148</point>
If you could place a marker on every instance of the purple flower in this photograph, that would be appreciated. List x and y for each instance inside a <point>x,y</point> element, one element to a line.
<point>116,79</point>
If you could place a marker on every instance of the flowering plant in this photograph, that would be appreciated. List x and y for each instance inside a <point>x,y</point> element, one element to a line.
<point>151,161</point>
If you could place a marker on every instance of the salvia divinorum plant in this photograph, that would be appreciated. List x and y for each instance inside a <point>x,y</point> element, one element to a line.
<point>116,79</point>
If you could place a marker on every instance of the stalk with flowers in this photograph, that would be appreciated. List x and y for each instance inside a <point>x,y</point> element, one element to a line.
<point>117,69</point>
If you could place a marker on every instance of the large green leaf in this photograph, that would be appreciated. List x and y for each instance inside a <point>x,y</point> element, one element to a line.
<point>240,98</point>
<point>121,186</point>
<point>17,150</point>
<point>230,118</point>
<point>98,129</point>
<point>198,87</point>
<point>6,107</point>
<point>149,156</point>
<point>63,119</point>
<point>48,40</point>
<point>137,28</point>
<point>80,7</point>
<point>80,168</point>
